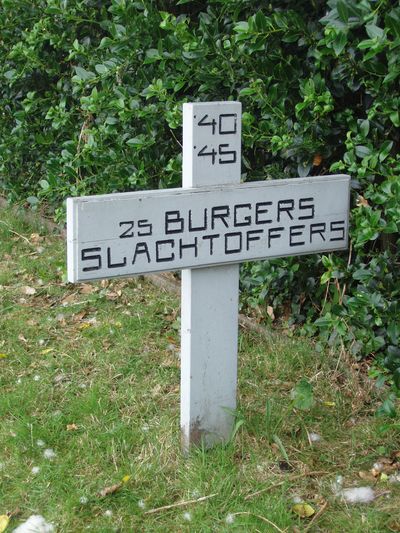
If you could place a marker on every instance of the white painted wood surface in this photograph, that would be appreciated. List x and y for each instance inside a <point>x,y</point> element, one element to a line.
<point>209,319</point>
<point>240,222</point>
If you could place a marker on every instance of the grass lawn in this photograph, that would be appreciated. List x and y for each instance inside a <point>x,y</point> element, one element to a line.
<point>89,415</point>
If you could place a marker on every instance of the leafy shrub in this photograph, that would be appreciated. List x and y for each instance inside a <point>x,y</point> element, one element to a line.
<point>91,96</point>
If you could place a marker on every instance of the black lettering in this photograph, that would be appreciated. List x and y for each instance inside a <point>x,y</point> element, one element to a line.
<point>211,239</point>
<point>221,212</point>
<point>110,264</point>
<point>307,204</point>
<point>285,206</point>
<point>261,211</point>
<point>231,153</point>
<point>141,248</point>
<point>128,232</point>
<point>202,122</point>
<point>212,154</point>
<point>85,256</point>
<point>246,220</point>
<point>187,246</point>
<point>338,225</point>
<point>230,127</point>
<point>317,229</point>
<point>198,228</point>
<point>293,232</point>
<point>145,224</point>
<point>166,242</point>
<point>252,235</point>
<point>274,233</point>
<point>236,250</point>
<point>173,218</point>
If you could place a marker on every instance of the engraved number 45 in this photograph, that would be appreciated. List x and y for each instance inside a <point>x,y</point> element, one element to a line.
<point>227,156</point>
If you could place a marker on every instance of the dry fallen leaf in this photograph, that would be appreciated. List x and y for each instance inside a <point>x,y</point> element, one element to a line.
<point>275,448</point>
<point>270,312</point>
<point>29,291</point>
<point>4,520</point>
<point>77,317</point>
<point>35,237</point>
<point>59,378</point>
<point>385,460</point>
<point>367,476</point>
<point>113,295</point>
<point>394,525</point>
<point>384,464</point>
<point>109,490</point>
<point>87,289</point>
<point>71,298</point>
<point>72,427</point>
<point>304,510</point>
<point>361,201</point>
<point>317,160</point>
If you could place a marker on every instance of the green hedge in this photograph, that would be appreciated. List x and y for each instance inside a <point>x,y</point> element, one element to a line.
<point>91,96</point>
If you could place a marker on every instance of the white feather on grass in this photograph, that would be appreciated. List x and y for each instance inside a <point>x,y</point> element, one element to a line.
<point>35,524</point>
<point>358,495</point>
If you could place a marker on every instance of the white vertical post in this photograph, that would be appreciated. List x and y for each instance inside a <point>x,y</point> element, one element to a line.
<point>209,316</point>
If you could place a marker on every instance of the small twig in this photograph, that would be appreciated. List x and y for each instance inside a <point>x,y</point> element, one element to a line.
<point>350,253</point>
<point>179,504</point>
<point>316,516</point>
<point>261,518</point>
<point>337,285</point>
<point>326,296</point>
<point>82,302</point>
<point>383,493</point>
<point>15,233</point>
<point>174,136</point>
<point>290,478</point>
<point>348,264</point>
<point>342,351</point>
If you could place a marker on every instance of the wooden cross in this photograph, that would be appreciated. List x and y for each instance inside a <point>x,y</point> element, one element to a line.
<point>205,229</point>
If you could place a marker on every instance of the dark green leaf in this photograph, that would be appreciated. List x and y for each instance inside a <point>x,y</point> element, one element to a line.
<point>363,151</point>
<point>339,43</point>
<point>83,74</point>
<point>392,22</point>
<point>342,10</point>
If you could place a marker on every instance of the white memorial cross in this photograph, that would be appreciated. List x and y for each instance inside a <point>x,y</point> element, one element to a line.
<point>206,229</point>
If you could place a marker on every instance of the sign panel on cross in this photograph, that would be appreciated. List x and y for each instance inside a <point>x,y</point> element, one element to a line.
<point>132,233</point>
<point>206,228</point>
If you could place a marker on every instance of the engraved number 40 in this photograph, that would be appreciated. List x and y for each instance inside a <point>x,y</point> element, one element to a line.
<point>227,123</point>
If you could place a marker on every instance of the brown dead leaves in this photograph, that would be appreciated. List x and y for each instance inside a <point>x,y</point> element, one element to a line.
<point>28,291</point>
<point>361,201</point>
<point>112,489</point>
<point>382,468</point>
